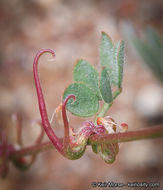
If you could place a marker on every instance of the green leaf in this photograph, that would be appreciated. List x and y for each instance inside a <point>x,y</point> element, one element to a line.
<point>106,51</point>
<point>86,103</point>
<point>120,63</point>
<point>150,59</point>
<point>112,58</point>
<point>85,73</point>
<point>149,47</point>
<point>114,72</point>
<point>154,39</point>
<point>105,87</point>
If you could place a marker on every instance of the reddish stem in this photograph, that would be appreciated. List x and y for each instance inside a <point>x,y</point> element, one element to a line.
<point>31,150</point>
<point>38,141</point>
<point>147,133</point>
<point>65,120</point>
<point>42,107</point>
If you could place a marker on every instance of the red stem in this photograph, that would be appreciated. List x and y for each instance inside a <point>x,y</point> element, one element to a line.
<point>31,150</point>
<point>42,107</point>
<point>147,133</point>
<point>65,120</point>
<point>38,141</point>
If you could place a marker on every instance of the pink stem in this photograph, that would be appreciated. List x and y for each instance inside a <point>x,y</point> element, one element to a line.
<point>42,107</point>
<point>65,120</point>
<point>95,139</point>
<point>38,141</point>
<point>31,150</point>
<point>147,133</point>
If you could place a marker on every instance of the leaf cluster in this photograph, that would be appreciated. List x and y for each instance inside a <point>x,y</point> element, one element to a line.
<point>90,86</point>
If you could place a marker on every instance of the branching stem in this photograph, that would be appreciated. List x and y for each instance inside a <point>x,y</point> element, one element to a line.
<point>31,150</point>
<point>104,110</point>
<point>107,106</point>
<point>148,133</point>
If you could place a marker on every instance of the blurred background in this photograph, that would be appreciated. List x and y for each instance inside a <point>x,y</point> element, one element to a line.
<point>73,30</point>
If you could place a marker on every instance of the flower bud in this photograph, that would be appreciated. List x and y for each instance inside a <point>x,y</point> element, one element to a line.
<point>108,152</point>
<point>78,141</point>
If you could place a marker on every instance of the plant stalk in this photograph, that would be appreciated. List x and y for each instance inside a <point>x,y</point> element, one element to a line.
<point>148,133</point>
<point>107,106</point>
<point>31,150</point>
<point>104,110</point>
